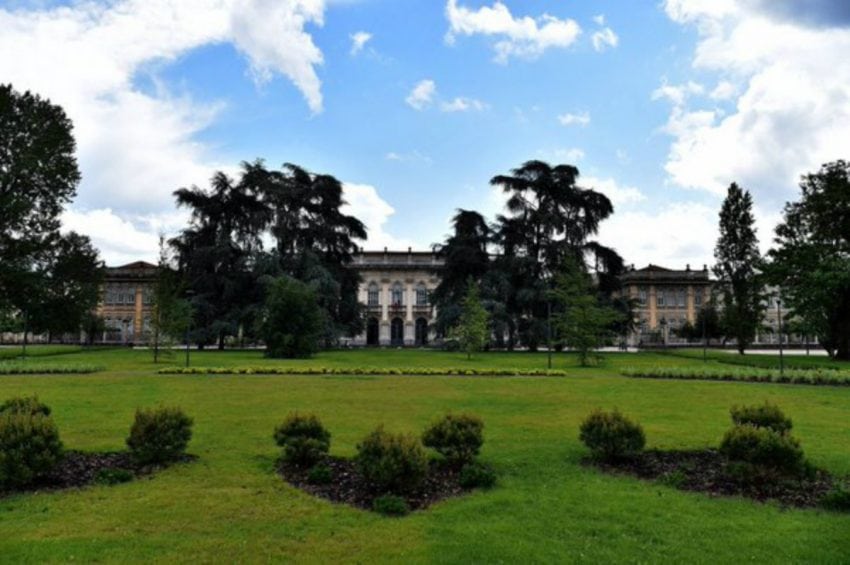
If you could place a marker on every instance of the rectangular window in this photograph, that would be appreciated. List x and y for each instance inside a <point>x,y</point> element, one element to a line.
<point>698,297</point>
<point>660,298</point>
<point>373,298</point>
<point>642,296</point>
<point>681,297</point>
<point>421,297</point>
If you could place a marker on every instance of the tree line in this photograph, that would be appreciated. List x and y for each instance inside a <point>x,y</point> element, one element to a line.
<point>269,239</point>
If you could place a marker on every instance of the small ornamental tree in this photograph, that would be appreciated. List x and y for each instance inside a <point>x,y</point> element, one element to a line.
<point>159,436</point>
<point>292,323</point>
<point>473,330</point>
<point>303,438</point>
<point>583,323</point>
<point>29,446</point>
<point>458,437</point>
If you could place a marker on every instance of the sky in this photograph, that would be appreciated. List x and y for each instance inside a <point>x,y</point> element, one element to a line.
<point>416,104</point>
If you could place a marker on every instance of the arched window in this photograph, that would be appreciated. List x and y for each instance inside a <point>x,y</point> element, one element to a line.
<point>397,295</point>
<point>421,295</point>
<point>397,331</point>
<point>373,298</point>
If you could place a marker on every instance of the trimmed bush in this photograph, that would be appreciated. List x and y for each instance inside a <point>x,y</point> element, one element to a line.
<point>393,463</point>
<point>159,435</point>
<point>388,371</point>
<point>457,437</point>
<point>611,436</point>
<point>390,505</point>
<point>762,416</point>
<point>29,448</point>
<point>837,499</point>
<point>24,405</point>
<point>303,438</point>
<point>320,474</point>
<point>476,475</point>
<point>768,452</point>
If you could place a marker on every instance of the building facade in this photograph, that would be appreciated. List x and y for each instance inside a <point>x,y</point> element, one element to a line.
<point>665,300</point>
<point>396,290</point>
<point>126,302</point>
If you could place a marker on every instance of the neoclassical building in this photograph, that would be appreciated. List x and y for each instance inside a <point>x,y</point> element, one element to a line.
<point>126,302</point>
<point>396,288</point>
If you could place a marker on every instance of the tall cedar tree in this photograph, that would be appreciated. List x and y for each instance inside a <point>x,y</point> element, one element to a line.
<point>811,261</point>
<point>551,220</point>
<point>465,258</point>
<point>582,321</point>
<point>737,268</point>
<point>38,176</point>
<point>171,314</point>
<point>473,328</point>
<point>216,255</point>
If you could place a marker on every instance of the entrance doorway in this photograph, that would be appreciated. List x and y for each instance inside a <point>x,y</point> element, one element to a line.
<point>372,332</point>
<point>421,331</point>
<point>397,331</point>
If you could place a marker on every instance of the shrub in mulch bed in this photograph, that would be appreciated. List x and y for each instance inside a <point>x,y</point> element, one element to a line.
<point>78,469</point>
<point>347,484</point>
<point>708,471</point>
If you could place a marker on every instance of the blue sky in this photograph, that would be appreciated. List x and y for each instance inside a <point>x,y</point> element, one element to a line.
<point>660,105</point>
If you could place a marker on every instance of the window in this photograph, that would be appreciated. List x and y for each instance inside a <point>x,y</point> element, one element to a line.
<point>642,294</point>
<point>698,296</point>
<point>373,295</point>
<point>397,295</point>
<point>421,295</point>
<point>660,298</point>
<point>681,297</point>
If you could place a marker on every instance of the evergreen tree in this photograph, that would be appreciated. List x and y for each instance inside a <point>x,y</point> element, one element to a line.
<point>292,321</point>
<point>811,262</point>
<point>170,313</point>
<point>473,329</point>
<point>737,268</point>
<point>581,321</point>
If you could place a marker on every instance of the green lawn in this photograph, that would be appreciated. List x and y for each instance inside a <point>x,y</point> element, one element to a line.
<point>231,506</point>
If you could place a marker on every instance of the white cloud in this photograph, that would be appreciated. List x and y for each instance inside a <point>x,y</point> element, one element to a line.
<point>793,109</point>
<point>724,91</point>
<point>562,155</point>
<point>569,119</point>
<point>524,37</point>
<point>462,104</point>
<point>618,194</point>
<point>364,202</point>
<point>604,38</point>
<point>136,146</point>
<point>410,157</point>
<point>599,20</point>
<point>358,41</point>
<point>422,95</point>
<point>677,93</point>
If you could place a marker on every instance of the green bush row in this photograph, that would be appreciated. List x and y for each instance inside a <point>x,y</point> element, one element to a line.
<point>40,369</point>
<point>828,377</point>
<point>416,371</point>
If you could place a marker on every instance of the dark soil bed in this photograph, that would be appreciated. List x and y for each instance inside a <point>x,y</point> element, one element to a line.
<point>78,469</point>
<point>708,471</point>
<point>348,485</point>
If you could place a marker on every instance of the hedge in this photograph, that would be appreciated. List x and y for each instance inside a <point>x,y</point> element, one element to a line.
<point>828,377</point>
<point>380,371</point>
<point>36,369</point>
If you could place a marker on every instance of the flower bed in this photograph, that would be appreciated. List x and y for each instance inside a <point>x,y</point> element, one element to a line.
<point>828,377</point>
<point>414,371</point>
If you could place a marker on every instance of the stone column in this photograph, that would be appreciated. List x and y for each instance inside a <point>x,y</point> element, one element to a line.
<point>385,301</point>
<point>139,319</point>
<point>408,301</point>
<point>652,306</point>
<point>689,302</point>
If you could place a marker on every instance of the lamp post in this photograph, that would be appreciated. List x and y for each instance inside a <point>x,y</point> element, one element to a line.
<point>779,318</point>
<point>549,332</point>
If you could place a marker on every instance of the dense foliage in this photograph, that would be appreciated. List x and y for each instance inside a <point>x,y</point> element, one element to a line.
<point>24,405</point>
<point>472,331</point>
<point>765,415</point>
<point>477,475</point>
<point>303,438</point>
<point>29,447</point>
<point>762,452</point>
<point>738,268</point>
<point>611,436</point>
<point>159,435</point>
<point>811,261</point>
<point>392,463</point>
<point>457,437</point>
<point>292,322</point>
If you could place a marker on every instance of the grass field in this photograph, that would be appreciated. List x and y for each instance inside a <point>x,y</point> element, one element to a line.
<point>230,505</point>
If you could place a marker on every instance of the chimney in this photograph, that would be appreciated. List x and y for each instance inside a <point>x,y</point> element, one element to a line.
<point>705,267</point>
<point>688,267</point>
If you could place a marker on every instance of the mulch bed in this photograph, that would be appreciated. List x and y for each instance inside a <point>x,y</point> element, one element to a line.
<point>348,485</point>
<point>707,471</point>
<point>78,469</point>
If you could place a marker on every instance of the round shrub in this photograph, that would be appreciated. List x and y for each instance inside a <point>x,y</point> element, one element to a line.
<point>390,505</point>
<point>458,437</point>
<point>762,416</point>
<point>159,435</point>
<point>320,474</point>
<point>611,436</point>
<point>303,438</point>
<point>29,448</point>
<point>476,475</point>
<point>764,449</point>
<point>392,462</point>
<point>24,405</point>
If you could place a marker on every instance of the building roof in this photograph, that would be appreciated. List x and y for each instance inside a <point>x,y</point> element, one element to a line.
<point>656,273</point>
<point>397,260</point>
